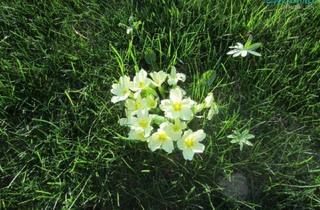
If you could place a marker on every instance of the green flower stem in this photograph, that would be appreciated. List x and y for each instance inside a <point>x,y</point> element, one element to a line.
<point>162,92</point>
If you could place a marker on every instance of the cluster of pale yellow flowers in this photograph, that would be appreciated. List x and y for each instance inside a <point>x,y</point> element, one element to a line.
<point>162,122</point>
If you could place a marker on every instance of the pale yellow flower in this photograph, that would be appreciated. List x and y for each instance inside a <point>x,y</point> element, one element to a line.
<point>140,82</point>
<point>142,120</point>
<point>190,143</point>
<point>176,107</point>
<point>158,78</point>
<point>161,140</point>
<point>134,105</point>
<point>174,129</point>
<point>137,133</point>
<point>121,90</point>
<point>174,77</point>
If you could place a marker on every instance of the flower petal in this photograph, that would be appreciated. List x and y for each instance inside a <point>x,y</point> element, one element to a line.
<point>186,114</point>
<point>232,52</point>
<point>153,144</point>
<point>168,146</point>
<point>181,77</point>
<point>244,53</point>
<point>200,135</point>
<point>176,94</point>
<point>239,45</point>
<point>188,154</point>
<point>198,148</point>
<point>254,53</point>
<point>180,144</point>
<point>236,54</point>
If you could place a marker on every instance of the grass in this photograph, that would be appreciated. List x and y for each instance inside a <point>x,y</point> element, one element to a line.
<point>60,145</point>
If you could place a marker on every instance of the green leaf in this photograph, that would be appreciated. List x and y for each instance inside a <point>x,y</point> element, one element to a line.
<point>157,119</point>
<point>149,91</point>
<point>254,46</point>
<point>208,78</point>
<point>150,56</point>
<point>136,25</point>
<point>249,41</point>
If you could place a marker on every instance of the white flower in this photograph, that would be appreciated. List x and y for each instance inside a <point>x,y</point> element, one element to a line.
<point>208,100</point>
<point>121,90</point>
<point>138,134</point>
<point>143,120</point>
<point>134,105</point>
<point>174,129</point>
<point>150,102</point>
<point>140,82</point>
<point>158,78</point>
<point>198,108</point>
<point>209,103</point>
<point>239,49</point>
<point>241,138</point>
<point>161,139</point>
<point>129,30</point>
<point>174,77</point>
<point>212,111</point>
<point>125,121</point>
<point>190,143</point>
<point>176,107</point>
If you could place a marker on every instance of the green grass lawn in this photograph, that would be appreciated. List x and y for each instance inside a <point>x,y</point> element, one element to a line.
<point>61,145</point>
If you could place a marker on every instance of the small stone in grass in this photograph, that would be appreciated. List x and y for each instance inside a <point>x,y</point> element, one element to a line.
<point>236,187</point>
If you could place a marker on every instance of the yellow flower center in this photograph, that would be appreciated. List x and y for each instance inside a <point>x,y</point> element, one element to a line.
<point>152,103</point>
<point>137,105</point>
<point>141,85</point>
<point>140,135</point>
<point>189,142</point>
<point>177,106</point>
<point>162,136</point>
<point>176,128</point>
<point>143,123</point>
<point>125,91</point>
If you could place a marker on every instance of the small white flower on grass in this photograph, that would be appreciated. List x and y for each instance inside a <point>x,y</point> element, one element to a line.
<point>161,140</point>
<point>129,30</point>
<point>244,50</point>
<point>140,82</point>
<point>174,77</point>
<point>237,50</point>
<point>158,78</point>
<point>176,107</point>
<point>241,138</point>
<point>121,90</point>
<point>190,143</point>
<point>143,121</point>
<point>175,129</point>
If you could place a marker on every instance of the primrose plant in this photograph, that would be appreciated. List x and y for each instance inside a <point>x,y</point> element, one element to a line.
<point>241,138</point>
<point>158,111</point>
